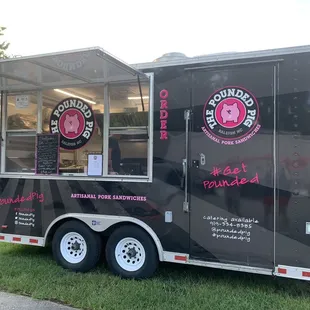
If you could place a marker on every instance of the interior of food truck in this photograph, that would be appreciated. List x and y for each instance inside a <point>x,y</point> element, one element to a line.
<point>119,96</point>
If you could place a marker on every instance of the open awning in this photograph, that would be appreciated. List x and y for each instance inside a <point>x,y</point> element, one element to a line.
<point>64,69</point>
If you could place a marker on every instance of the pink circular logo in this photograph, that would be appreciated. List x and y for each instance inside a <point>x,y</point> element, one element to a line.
<point>71,123</point>
<point>74,120</point>
<point>231,116</point>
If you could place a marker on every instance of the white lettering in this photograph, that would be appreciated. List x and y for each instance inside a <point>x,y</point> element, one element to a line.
<point>90,124</point>
<point>84,108</point>
<point>72,103</point>
<point>217,97</point>
<point>252,112</point>
<point>210,120</point>
<point>56,112</point>
<point>61,108</point>
<point>249,103</point>
<point>86,134</point>
<point>66,104</point>
<point>239,93</point>
<point>223,93</point>
<point>231,92</point>
<point>87,114</point>
<point>79,105</point>
<point>212,102</point>
<point>245,97</point>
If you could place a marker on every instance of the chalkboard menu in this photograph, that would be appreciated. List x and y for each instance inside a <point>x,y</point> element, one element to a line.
<point>47,154</point>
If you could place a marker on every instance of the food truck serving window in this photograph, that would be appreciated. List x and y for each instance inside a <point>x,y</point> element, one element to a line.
<point>94,130</point>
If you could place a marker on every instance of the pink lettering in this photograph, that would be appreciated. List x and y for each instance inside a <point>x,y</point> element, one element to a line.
<point>104,196</point>
<point>243,167</point>
<point>163,104</point>
<point>163,114</point>
<point>243,181</point>
<point>205,184</point>
<point>163,135</point>
<point>32,196</point>
<point>216,171</point>
<point>163,94</point>
<point>211,184</point>
<point>225,183</point>
<point>108,197</point>
<point>163,124</point>
<point>234,182</point>
<point>236,171</point>
<point>255,179</point>
<point>228,170</point>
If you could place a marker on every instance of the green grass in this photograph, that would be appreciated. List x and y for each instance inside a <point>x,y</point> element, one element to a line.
<point>31,271</point>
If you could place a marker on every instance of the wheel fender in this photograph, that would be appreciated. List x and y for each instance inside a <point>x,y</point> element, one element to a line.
<point>100,223</point>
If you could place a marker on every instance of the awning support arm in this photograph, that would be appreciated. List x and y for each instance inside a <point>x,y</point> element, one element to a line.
<point>143,109</point>
<point>19,79</point>
<point>140,90</point>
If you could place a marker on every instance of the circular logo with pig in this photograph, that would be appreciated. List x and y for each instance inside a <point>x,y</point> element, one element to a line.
<point>231,116</point>
<point>74,120</point>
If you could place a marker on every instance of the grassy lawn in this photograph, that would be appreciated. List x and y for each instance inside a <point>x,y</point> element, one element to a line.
<point>32,271</point>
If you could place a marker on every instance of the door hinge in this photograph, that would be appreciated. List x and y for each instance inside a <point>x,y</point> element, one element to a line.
<point>187,114</point>
<point>185,206</point>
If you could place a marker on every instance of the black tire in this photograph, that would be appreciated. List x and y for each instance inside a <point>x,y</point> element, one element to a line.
<point>151,255</point>
<point>92,240</point>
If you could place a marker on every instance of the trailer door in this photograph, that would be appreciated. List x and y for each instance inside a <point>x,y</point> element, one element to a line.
<point>231,158</point>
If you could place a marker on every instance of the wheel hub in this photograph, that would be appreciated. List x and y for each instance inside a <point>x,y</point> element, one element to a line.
<point>130,254</point>
<point>73,247</point>
<point>76,246</point>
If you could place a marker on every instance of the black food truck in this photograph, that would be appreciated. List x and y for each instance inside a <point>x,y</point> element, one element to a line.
<point>201,161</point>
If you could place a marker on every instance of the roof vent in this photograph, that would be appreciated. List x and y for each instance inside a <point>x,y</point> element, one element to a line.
<point>170,56</point>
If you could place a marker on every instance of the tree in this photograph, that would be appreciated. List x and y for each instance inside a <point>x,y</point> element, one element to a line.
<point>4,45</point>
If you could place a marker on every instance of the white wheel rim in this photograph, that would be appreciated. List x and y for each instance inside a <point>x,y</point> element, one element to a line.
<point>73,247</point>
<point>130,254</point>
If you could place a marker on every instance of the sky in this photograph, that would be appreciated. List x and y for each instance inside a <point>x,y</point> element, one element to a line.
<point>140,31</point>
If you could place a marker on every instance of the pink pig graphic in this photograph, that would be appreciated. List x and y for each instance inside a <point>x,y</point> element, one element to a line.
<point>230,113</point>
<point>71,123</point>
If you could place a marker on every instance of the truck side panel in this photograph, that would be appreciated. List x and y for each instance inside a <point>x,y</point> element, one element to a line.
<point>293,173</point>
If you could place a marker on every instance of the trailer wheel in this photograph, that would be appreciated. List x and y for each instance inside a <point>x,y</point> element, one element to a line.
<point>76,247</point>
<point>131,253</point>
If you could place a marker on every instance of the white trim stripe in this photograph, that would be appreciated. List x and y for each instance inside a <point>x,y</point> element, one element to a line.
<point>19,239</point>
<point>292,272</point>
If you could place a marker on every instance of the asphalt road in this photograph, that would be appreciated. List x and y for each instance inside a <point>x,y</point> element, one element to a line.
<point>16,302</point>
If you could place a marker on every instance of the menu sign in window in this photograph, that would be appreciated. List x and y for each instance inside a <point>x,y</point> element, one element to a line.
<point>47,154</point>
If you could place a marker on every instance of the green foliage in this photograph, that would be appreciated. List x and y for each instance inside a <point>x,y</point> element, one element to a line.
<point>4,45</point>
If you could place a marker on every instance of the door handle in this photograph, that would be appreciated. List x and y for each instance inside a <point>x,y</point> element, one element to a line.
<point>184,167</point>
<point>202,159</point>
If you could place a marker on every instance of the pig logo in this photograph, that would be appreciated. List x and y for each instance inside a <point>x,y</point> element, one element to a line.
<point>74,120</point>
<point>71,124</point>
<point>230,113</point>
<point>230,116</point>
